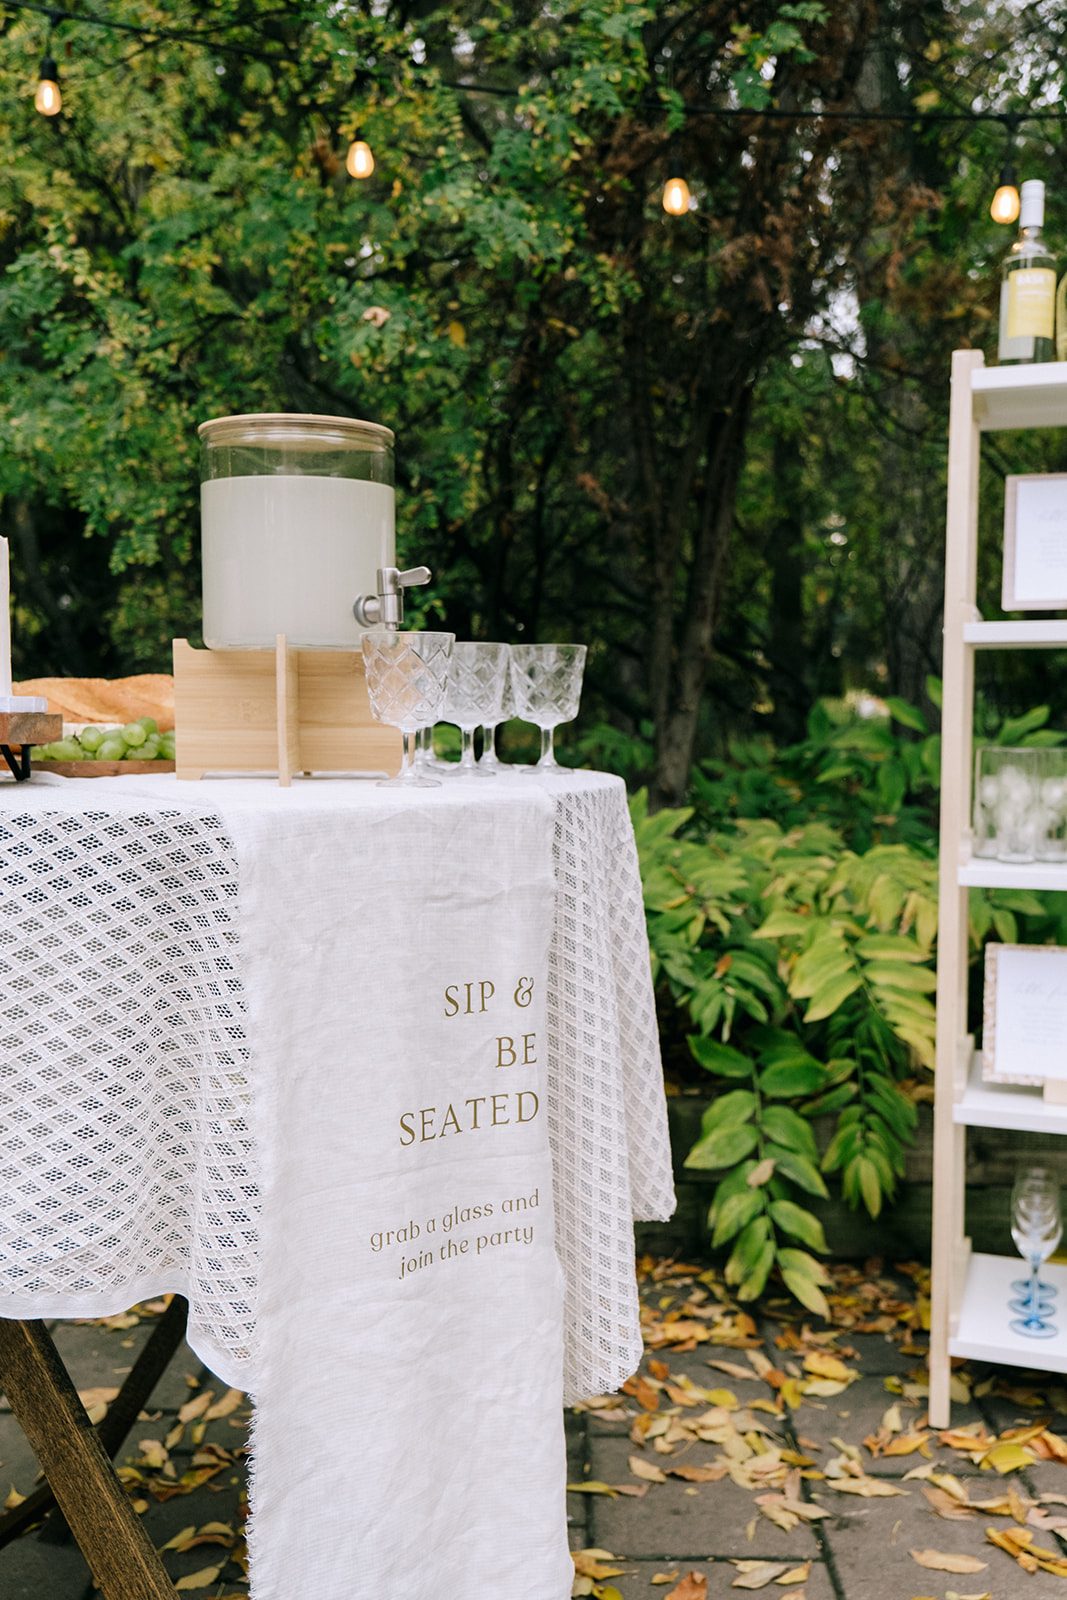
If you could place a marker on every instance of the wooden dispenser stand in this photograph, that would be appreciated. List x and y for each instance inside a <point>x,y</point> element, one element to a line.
<point>285,711</point>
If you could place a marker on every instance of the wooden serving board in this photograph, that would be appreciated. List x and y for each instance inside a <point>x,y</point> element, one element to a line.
<point>102,769</point>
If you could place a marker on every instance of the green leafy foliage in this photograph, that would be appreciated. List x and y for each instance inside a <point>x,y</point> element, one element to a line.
<point>805,969</point>
<point>772,1152</point>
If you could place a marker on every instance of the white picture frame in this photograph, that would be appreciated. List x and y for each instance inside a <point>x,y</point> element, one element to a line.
<point>1035,542</point>
<point>1024,1015</point>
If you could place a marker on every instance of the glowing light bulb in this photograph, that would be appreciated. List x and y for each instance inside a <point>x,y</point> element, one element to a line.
<point>359,161</point>
<point>676,197</point>
<point>48,99</point>
<point>1005,207</point>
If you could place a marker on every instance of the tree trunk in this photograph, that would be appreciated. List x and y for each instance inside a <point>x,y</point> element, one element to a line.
<point>685,624</point>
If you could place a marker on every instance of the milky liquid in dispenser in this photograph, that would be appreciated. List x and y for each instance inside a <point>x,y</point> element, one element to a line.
<point>297,516</point>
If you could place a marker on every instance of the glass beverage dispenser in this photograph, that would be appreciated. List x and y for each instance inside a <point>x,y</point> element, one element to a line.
<point>297,516</point>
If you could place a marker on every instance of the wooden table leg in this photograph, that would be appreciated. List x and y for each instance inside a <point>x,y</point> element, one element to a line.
<point>121,1557</point>
<point>121,1415</point>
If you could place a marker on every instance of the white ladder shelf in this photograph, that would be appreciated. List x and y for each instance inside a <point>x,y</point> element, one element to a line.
<point>969,1292</point>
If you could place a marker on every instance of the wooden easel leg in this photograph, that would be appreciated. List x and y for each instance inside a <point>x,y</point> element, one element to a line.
<point>120,1554</point>
<point>287,694</point>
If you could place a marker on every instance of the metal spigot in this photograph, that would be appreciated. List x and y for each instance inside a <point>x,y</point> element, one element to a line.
<point>386,608</point>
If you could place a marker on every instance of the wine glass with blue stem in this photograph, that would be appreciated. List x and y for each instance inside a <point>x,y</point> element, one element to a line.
<point>1036,1227</point>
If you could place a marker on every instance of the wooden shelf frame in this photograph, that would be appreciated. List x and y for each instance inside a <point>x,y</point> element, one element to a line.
<point>968,1298</point>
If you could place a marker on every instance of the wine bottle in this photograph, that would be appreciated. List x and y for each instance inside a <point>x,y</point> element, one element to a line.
<point>1028,287</point>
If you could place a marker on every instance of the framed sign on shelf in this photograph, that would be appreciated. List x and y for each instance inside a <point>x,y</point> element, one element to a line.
<point>1024,1024</point>
<point>1035,543</point>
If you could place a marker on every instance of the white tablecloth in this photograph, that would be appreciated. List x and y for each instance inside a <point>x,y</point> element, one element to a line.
<point>180,963</point>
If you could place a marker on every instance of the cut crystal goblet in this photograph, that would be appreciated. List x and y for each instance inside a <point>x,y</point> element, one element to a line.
<point>547,680</point>
<point>477,674</point>
<point>406,677</point>
<point>489,760</point>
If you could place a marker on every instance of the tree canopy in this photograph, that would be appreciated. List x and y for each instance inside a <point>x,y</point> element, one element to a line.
<point>711,445</point>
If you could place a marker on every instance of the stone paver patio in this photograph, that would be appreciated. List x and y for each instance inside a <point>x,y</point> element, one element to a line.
<point>666,1529</point>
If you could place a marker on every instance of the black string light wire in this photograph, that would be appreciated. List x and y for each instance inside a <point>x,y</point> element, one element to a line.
<point>676,198</point>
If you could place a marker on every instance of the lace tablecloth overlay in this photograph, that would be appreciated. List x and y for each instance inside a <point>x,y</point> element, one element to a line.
<point>127,1163</point>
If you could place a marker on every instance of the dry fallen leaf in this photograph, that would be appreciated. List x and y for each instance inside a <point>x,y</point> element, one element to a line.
<point>684,1397</point>
<point>792,1393</point>
<point>14,1499</point>
<point>593,1564</point>
<point>94,1399</point>
<point>199,1580</point>
<point>942,1561</point>
<point>195,1408</point>
<point>904,1443</point>
<point>664,1577</point>
<point>1019,1542</point>
<point>698,1474</point>
<point>646,1395</point>
<point>593,1487</point>
<point>1008,1457</point>
<point>222,1408</point>
<point>694,1586</point>
<point>178,1539</point>
<point>822,1365</point>
<point>646,1469</point>
<point>721,1397</point>
<point>733,1369</point>
<point>795,1575</point>
<point>755,1574</point>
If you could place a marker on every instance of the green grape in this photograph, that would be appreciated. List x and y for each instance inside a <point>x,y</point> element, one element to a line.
<point>112,749</point>
<point>147,751</point>
<point>45,752</point>
<point>149,724</point>
<point>166,746</point>
<point>91,738</point>
<point>66,750</point>
<point>134,733</point>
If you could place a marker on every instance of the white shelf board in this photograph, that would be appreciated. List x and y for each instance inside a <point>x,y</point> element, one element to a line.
<point>979,873</point>
<point>1006,1105</point>
<point>984,1332</point>
<point>1020,397</point>
<point>1047,634</point>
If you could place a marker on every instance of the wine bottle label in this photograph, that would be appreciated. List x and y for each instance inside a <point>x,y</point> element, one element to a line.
<point>1031,303</point>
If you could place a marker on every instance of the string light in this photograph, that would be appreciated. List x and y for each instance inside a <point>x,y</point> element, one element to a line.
<point>48,100</point>
<point>1005,207</point>
<point>359,161</point>
<point>676,197</point>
